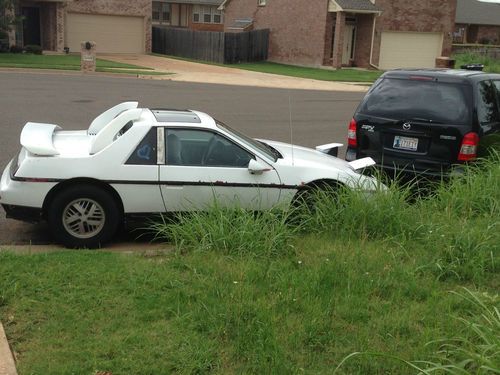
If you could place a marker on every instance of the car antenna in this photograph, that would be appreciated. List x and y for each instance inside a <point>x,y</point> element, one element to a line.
<point>291,127</point>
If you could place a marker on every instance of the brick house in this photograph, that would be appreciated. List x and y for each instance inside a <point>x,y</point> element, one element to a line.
<point>383,34</point>
<point>202,15</point>
<point>117,26</point>
<point>477,22</point>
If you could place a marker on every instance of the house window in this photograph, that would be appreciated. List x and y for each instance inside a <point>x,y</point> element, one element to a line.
<point>161,11</point>
<point>206,14</point>
<point>217,16</point>
<point>261,3</point>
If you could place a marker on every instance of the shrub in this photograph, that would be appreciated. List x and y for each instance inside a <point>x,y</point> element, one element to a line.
<point>32,48</point>
<point>16,49</point>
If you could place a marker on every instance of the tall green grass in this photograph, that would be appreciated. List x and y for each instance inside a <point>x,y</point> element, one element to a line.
<point>490,65</point>
<point>457,226</point>
<point>451,236</point>
<point>230,231</point>
<point>475,350</point>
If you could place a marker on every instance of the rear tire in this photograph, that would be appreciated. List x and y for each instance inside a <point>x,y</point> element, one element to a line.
<point>83,216</point>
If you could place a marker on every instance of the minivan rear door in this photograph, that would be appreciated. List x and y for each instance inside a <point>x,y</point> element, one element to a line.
<point>414,123</point>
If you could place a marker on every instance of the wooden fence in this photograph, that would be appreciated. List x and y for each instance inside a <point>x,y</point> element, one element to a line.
<point>219,47</point>
<point>491,52</point>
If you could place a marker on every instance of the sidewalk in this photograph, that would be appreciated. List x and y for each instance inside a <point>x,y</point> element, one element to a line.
<point>7,364</point>
<point>186,71</point>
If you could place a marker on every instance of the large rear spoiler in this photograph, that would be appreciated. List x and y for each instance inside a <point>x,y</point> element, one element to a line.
<point>37,138</point>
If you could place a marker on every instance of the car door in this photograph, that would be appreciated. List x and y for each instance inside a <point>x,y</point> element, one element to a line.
<point>138,178</point>
<point>202,166</point>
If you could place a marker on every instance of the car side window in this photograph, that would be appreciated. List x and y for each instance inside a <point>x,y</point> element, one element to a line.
<point>487,107</point>
<point>190,147</point>
<point>497,89</point>
<point>145,152</point>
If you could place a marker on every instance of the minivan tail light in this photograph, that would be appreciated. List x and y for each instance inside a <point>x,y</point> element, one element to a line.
<point>351,134</point>
<point>468,149</point>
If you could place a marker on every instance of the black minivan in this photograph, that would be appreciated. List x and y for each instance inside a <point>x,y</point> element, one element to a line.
<point>426,121</point>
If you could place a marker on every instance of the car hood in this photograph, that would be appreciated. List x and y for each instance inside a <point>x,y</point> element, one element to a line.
<point>299,155</point>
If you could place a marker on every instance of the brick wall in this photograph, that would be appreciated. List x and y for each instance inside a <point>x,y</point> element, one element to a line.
<point>47,22</point>
<point>489,34</point>
<point>297,27</point>
<point>364,30</point>
<point>112,7</point>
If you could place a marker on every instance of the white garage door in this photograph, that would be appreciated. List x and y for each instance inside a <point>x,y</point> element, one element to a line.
<point>410,50</point>
<point>112,34</point>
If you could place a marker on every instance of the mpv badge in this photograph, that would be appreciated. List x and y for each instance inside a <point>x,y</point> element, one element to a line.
<point>406,126</point>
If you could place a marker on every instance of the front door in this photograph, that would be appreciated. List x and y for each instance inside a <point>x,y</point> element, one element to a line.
<point>31,26</point>
<point>203,166</point>
<point>349,40</point>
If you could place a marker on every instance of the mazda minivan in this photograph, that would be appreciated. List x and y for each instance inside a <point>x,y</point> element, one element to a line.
<point>426,121</point>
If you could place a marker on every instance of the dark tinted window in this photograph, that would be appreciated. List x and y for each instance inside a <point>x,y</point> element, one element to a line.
<point>405,99</point>
<point>145,152</point>
<point>497,86</point>
<point>487,109</point>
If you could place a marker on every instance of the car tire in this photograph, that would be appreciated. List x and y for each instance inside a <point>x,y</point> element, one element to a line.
<point>307,198</point>
<point>83,216</point>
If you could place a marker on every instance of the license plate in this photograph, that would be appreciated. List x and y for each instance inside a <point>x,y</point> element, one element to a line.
<point>405,143</point>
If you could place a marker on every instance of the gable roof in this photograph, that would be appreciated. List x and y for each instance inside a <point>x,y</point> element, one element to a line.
<point>477,12</point>
<point>357,5</point>
<point>197,2</point>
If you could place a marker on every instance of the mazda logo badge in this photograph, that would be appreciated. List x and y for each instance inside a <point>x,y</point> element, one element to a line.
<point>406,126</point>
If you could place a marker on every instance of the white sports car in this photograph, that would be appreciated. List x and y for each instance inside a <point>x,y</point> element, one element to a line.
<point>140,161</point>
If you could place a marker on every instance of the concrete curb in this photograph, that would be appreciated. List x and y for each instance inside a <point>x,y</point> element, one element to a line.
<point>144,249</point>
<point>7,364</point>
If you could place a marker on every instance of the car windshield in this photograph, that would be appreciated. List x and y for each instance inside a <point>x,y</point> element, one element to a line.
<point>430,101</point>
<point>249,142</point>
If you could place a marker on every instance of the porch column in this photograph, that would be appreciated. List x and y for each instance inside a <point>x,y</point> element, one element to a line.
<point>12,30</point>
<point>60,26</point>
<point>338,40</point>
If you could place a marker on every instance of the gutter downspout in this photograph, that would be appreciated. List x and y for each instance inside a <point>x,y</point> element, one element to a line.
<point>373,39</point>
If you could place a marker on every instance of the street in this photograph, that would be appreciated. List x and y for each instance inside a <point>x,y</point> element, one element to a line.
<point>73,100</point>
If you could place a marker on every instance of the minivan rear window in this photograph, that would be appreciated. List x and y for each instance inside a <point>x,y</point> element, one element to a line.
<point>430,101</point>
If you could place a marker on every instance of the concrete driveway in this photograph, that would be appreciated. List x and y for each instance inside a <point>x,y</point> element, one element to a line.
<point>186,71</point>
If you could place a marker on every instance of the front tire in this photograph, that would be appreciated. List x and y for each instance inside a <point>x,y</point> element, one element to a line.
<point>83,216</point>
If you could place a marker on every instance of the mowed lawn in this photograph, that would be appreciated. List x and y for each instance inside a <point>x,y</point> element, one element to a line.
<point>67,62</point>
<point>343,75</point>
<point>358,286</point>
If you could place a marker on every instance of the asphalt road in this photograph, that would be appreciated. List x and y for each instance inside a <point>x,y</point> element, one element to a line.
<point>73,100</point>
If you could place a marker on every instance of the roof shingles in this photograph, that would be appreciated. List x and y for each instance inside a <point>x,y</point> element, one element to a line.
<point>477,12</point>
<point>197,2</point>
<point>362,5</point>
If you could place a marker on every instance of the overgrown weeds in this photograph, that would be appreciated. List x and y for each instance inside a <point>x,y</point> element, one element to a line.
<point>490,65</point>
<point>476,350</point>
<point>230,231</point>
<point>455,230</point>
